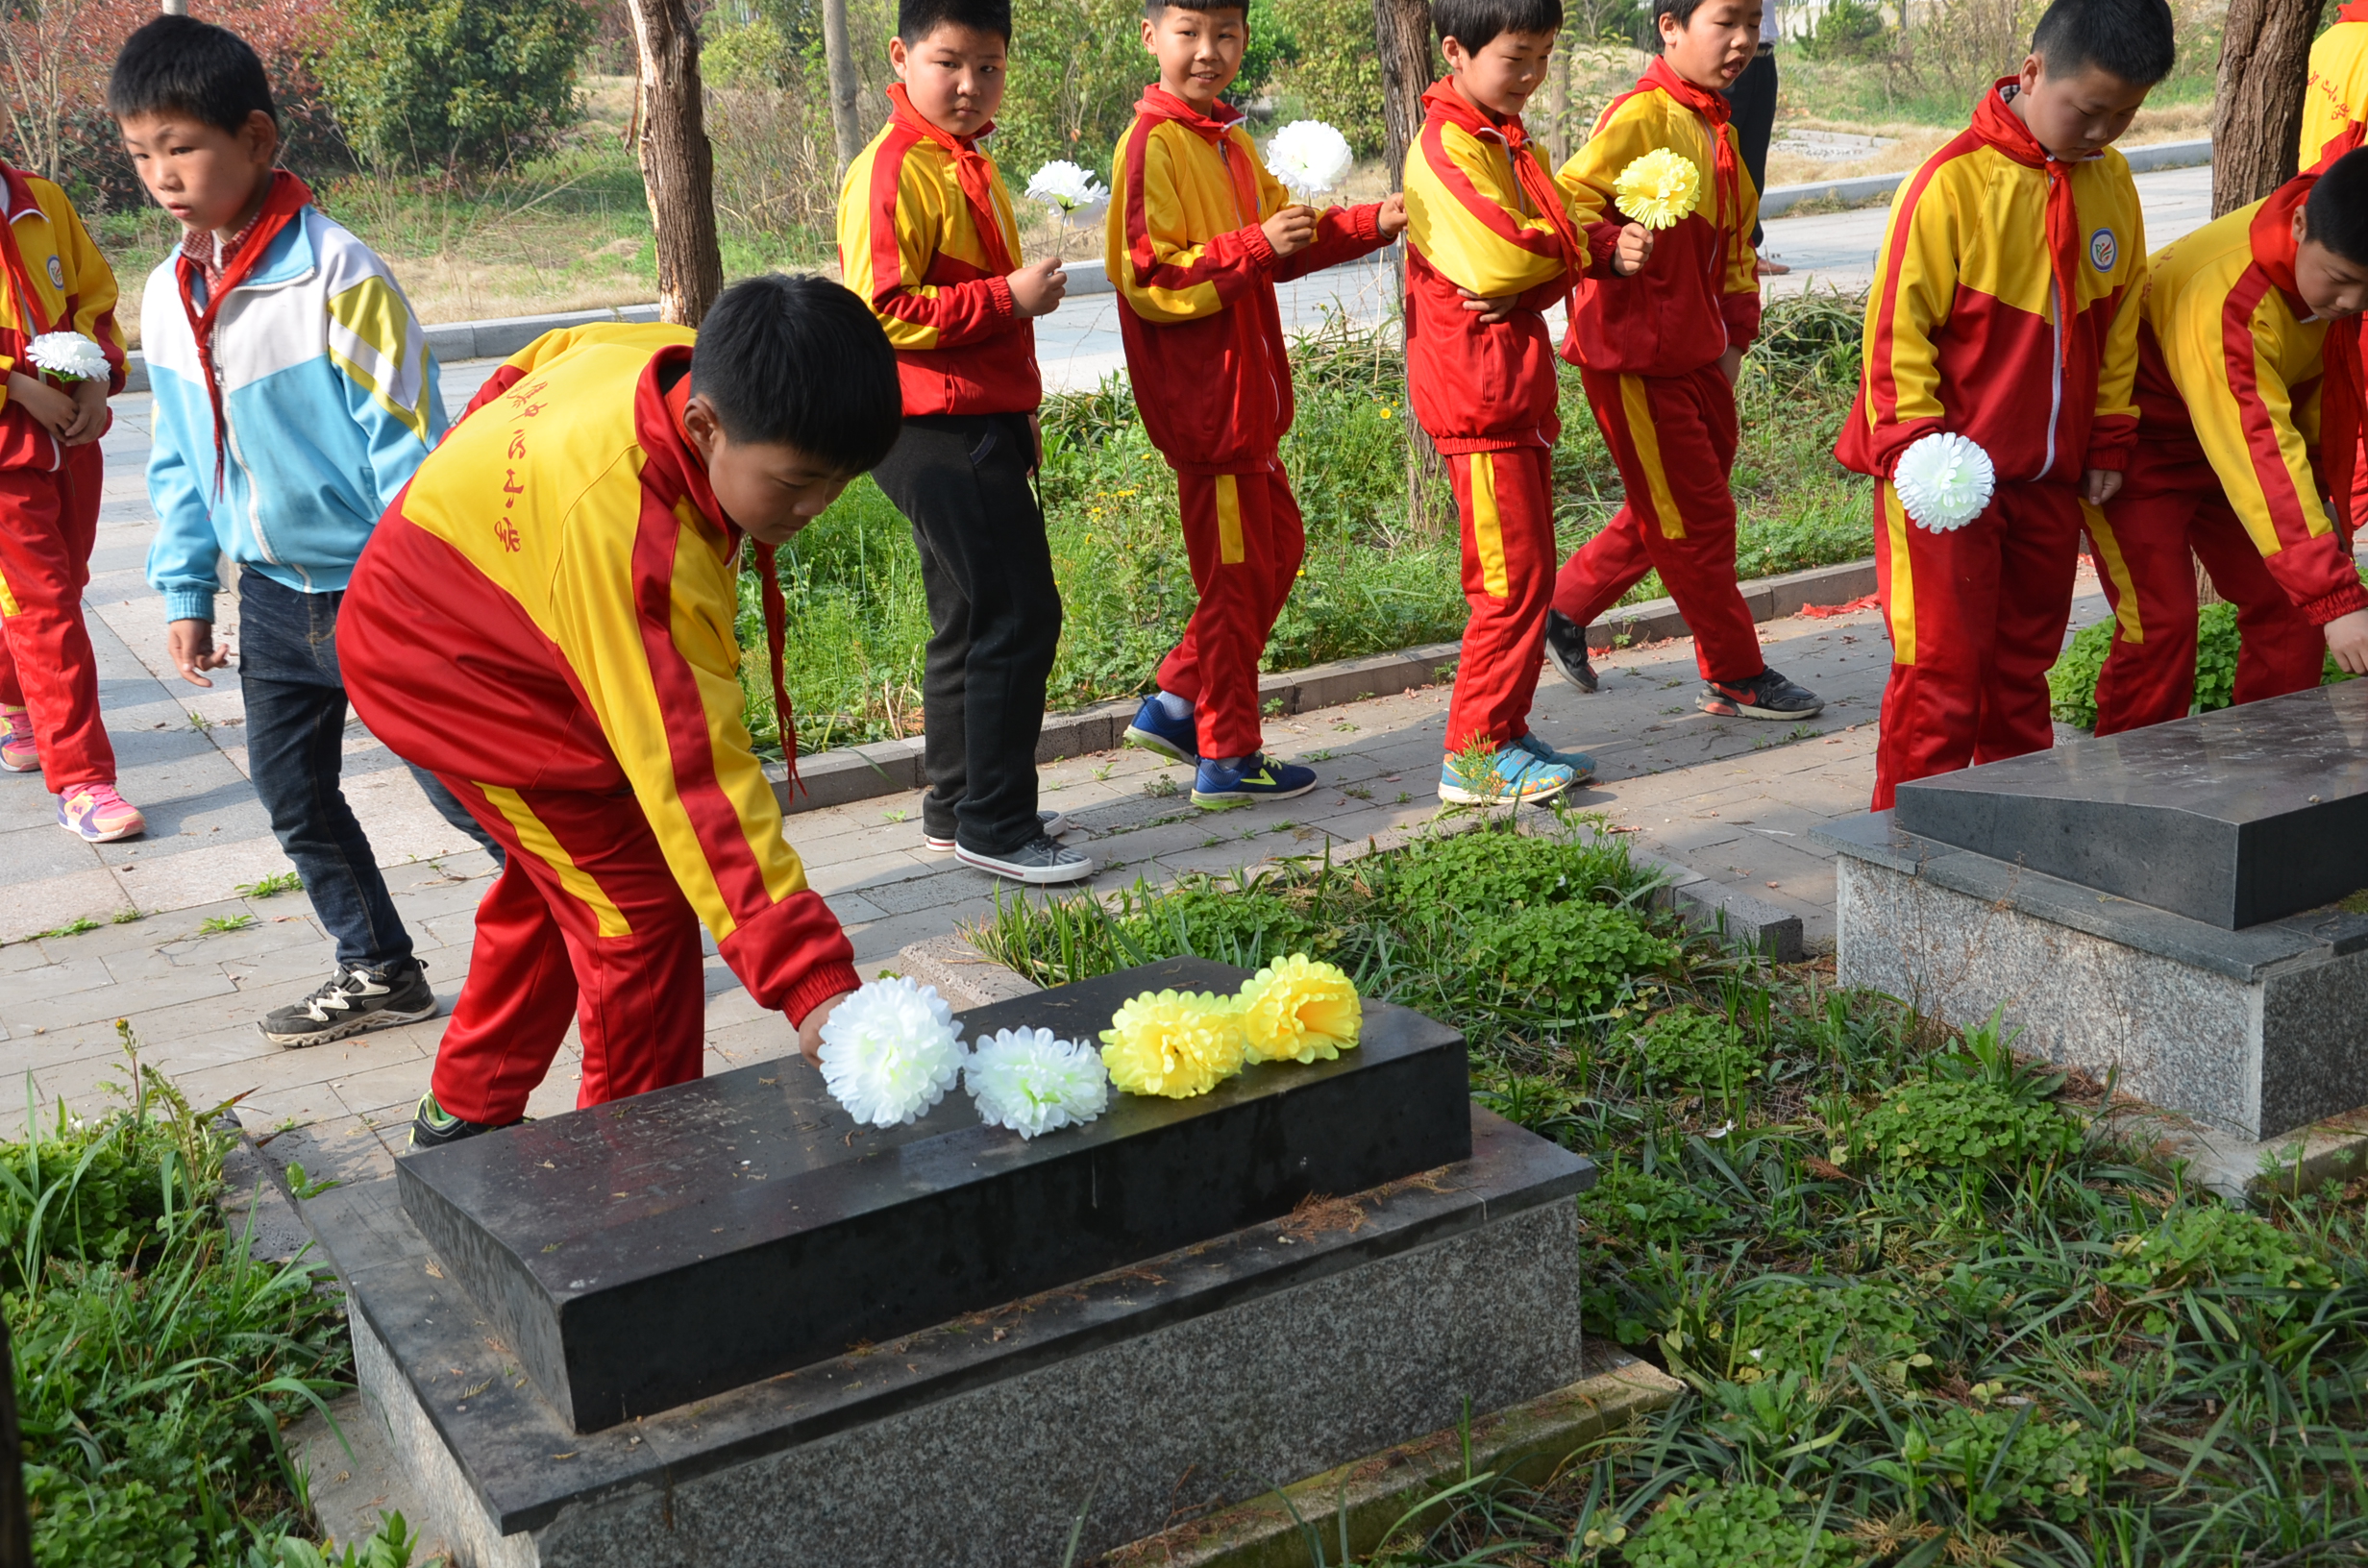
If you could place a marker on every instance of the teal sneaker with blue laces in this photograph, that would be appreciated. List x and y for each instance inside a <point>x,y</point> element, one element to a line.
<point>1217,787</point>
<point>1582,766</point>
<point>1510,777</point>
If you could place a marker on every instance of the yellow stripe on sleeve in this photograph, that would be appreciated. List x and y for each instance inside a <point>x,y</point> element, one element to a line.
<point>535,836</point>
<point>1488,532</point>
<point>370,341</point>
<point>1638,404</point>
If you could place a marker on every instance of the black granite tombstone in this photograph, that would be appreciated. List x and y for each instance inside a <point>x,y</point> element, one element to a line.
<point>2234,818</point>
<point>643,1254</point>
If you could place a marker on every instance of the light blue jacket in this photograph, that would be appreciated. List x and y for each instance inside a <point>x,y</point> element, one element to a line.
<point>329,402</point>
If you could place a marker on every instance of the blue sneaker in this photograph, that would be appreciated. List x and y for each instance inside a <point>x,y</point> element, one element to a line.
<point>1178,740</point>
<point>1514,776</point>
<point>1217,787</point>
<point>1582,766</point>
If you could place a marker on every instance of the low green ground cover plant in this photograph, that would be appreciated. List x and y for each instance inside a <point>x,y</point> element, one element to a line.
<point>1929,1307</point>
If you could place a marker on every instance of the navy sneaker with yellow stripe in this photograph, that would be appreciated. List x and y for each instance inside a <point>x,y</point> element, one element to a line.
<point>433,1126</point>
<point>1217,787</point>
<point>1178,740</point>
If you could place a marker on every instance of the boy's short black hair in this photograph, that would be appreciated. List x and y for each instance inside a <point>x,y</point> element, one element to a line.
<point>917,20</point>
<point>2129,38</point>
<point>1152,7</point>
<point>801,362</point>
<point>2335,215</point>
<point>1475,23</point>
<point>180,65</point>
<point>1681,11</point>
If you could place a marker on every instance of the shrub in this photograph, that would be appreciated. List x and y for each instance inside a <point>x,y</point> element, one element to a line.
<point>1730,1526</point>
<point>1492,871</point>
<point>1808,1328</point>
<point>1847,30</point>
<point>2000,1458</point>
<point>1629,1206</point>
<point>1937,1125</point>
<point>1334,72</point>
<point>2211,1243</point>
<point>1694,1048</point>
<point>455,84</point>
<point>1579,954</point>
<point>1231,926</point>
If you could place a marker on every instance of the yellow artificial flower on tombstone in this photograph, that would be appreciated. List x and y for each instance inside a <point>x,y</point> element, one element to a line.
<point>1297,1010</point>
<point>1174,1045</point>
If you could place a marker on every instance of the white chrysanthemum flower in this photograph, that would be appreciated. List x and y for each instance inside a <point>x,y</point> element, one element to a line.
<point>1945,481</point>
<point>1308,158</point>
<point>1027,1080</point>
<point>69,355</point>
<point>891,1051</point>
<point>1066,186</point>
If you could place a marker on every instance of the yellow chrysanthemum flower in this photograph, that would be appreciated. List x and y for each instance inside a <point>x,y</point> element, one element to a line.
<point>1173,1044</point>
<point>1659,189</point>
<point>1298,1010</point>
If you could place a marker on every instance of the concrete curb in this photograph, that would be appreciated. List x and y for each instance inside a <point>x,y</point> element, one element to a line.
<point>1526,1443</point>
<point>453,341</point>
<point>1872,188</point>
<point>881,768</point>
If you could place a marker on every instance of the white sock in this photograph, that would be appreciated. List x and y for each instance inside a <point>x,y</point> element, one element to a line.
<point>1175,706</point>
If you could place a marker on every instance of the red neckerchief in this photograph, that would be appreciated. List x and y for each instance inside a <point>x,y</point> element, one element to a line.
<point>2270,236</point>
<point>2353,11</point>
<point>1443,101</point>
<point>679,467</point>
<point>1727,177</point>
<point>2000,127</point>
<point>971,168</point>
<point>287,197</point>
<point>19,196</point>
<point>1157,103</point>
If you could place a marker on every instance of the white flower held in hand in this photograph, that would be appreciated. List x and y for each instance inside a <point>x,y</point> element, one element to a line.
<point>70,356</point>
<point>1945,481</point>
<point>1308,158</point>
<point>891,1051</point>
<point>1066,186</point>
<point>1031,1082</point>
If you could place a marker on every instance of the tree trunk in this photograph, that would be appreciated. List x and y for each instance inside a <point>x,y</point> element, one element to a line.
<point>678,167</point>
<point>2256,115</point>
<point>1558,104</point>
<point>839,52</point>
<point>1409,65</point>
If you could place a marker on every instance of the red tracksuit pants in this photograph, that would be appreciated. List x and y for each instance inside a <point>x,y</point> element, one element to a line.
<point>1673,438</point>
<point>48,525</point>
<point>2171,503</point>
<point>1506,500</point>
<point>1977,616</point>
<point>1242,534</point>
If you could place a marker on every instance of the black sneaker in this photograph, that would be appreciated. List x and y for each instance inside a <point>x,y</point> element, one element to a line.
<point>1766,695</point>
<point>354,1000</point>
<point>1038,862</point>
<point>433,1126</point>
<point>1565,650</point>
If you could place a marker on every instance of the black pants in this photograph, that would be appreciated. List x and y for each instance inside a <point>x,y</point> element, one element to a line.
<point>994,617</point>
<point>1753,99</point>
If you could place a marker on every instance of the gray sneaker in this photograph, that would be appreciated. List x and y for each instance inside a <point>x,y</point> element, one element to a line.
<point>1040,862</point>
<point>1055,825</point>
<point>354,1000</point>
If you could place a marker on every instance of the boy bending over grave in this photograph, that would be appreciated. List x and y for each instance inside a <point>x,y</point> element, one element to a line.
<point>544,620</point>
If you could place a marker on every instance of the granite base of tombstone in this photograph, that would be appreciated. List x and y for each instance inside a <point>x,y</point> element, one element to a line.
<point>2171,905</point>
<point>722,1324</point>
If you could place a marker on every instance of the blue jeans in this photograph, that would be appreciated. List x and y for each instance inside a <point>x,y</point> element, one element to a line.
<point>295,701</point>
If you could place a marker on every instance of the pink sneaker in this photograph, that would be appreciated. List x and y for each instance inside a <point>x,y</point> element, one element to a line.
<point>18,752</point>
<point>100,815</point>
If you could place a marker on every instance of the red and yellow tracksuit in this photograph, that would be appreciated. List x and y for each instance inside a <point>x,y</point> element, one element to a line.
<point>1482,215</point>
<point>2336,101</point>
<point>1204,351</point>
<point>2228,395</point>
<point>55,281</point>
<point>1647,349</point>
<point>1969,331</point>
<point>545,620</point>
<point>910,243</point>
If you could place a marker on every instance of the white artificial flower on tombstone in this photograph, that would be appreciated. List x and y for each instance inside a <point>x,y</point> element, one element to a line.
<point>1027,1080</point>
<point>1310,159</point>
<point>890,1051</point>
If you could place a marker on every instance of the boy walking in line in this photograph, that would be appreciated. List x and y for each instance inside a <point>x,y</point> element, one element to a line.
<point>1490,245</point>
<point>54,281</point>
<point>2229,399</point>
<point>927,237</point>
<point>545,620</point>
<point>2006,311</point>
<point>294,396</point>
<point>1200,233</point>
<point>1658,354</point>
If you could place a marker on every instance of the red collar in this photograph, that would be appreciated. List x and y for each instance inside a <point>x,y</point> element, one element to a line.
<point>1159,104</point>
<point>1441,100</point>
<point>2353,10</point>
<point>658,420</point>
<point>1710,105</point>
<point>2270,236</point>
<point>929,130</point>
<point>1996,123</point>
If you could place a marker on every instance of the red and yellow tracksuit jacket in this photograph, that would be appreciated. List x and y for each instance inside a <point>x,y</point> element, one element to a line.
<point>927,238</point>
<point>2336,101</point>
<point>56,282</point>
<point>606,585</point>
<point>1699,295</point>
<point>2006,308</point>
<point>1480,215</point>
<point>2230,364</point>
<point>1204,339</point>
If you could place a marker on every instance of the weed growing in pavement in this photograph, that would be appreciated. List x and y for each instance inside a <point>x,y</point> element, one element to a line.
<point>215,925</point>
<point>272,886</point>
<point>74,927</point>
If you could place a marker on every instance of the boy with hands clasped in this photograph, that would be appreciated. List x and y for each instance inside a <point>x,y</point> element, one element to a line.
<point>927,238</point>
<point>1659,353</point>
<point>1491,246</point>
<point>1198,235</point>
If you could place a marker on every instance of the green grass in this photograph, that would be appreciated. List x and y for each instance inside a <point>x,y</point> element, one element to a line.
<point>858,617</point>
<point>272,886</point>
<point>1926,1311</point>
<point>214,926</point>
